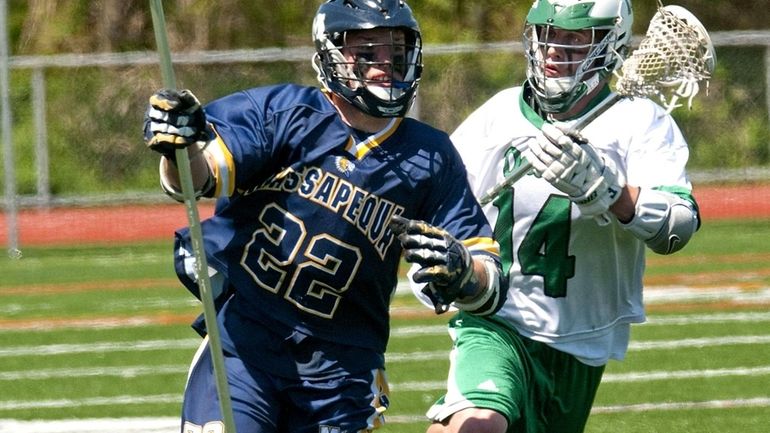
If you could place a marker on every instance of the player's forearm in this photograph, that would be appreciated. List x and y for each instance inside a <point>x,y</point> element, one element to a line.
<point>489,293</point>
<point>479,270</point>
<point>199,169</point>
<point>625,207</point>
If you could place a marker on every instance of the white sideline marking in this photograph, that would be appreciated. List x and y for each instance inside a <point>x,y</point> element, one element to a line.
<point>110,346</point>
<point>171,425</point>
<point>403,386</point>
<point>662,295</point>
<point>685,405</point>
<point>697,319</point>
<point>397,332</point>
<point>733,340</point>
<point>135,371</point>
<point>417,331</point>
<point>763,316</point>
<point>621,377</point>
<point>106,425</point>
<point>685,374</point>
<point>652,296</point>
<point>95,401</point>
<point>124,372</point>
<point>132,346</point>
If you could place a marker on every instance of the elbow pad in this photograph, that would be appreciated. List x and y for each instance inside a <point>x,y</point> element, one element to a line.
<point>492,297</point>
<point>664,221</point>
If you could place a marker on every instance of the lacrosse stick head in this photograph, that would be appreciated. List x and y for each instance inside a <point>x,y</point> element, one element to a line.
<point>674,57</point>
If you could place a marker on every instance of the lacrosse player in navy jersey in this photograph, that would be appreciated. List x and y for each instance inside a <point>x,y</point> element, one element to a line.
<point>572,234</point>
<point>320,192</point>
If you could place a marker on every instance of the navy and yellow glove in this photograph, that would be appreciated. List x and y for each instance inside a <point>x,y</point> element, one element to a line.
<point>173,120</point>
<point>445,263</point>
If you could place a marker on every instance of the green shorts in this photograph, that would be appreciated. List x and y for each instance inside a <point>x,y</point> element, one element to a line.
<point>537,388</point>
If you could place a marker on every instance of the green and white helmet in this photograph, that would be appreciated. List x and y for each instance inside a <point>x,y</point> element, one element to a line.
<point>610,22</point>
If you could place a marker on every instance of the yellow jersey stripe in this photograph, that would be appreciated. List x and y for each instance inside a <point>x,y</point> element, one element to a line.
<point>364,147</point>
<point>483,244</point>
<point>224,167</point>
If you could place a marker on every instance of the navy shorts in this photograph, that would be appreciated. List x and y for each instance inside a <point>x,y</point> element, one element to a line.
<point>265,403</point>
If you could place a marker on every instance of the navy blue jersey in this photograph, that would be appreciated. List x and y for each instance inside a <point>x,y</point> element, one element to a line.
<point>300,228</point>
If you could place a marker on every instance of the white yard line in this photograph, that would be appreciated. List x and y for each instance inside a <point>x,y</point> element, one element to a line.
<point>403,386</point>
<point>684,405</point>
<point>702,319</point>
<point>123,372</point>
<point>663,295</point>
<point>621,377</point>
<point>93,401</point>
<point>685,374</point>
<point>408,331</point>
<point>109,346</point>
<point>653,320</point>
<point>107,425</point>
<point>732,340</point>
<point>61,349</point>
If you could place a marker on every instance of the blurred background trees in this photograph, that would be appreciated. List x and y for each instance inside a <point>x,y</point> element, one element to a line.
<point>94,114</point>
<point>84,26</point>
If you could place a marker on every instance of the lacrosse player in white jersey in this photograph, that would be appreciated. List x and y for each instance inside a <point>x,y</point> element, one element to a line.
<point>573,232</point>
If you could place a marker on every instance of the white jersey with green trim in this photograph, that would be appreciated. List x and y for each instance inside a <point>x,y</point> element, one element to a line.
<point>573,284</point>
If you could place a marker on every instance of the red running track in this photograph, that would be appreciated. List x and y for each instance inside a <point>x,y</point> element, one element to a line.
<point>137,223</point>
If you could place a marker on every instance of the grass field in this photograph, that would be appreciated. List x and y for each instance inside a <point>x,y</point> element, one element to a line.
<point>98,333</point>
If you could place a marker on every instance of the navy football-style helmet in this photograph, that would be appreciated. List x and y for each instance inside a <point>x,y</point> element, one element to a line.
<point>381,98</point>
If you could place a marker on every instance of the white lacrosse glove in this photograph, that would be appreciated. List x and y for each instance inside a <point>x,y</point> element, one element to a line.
<point>173,120</point>
<point>572,165</point>
<point>445,263</point>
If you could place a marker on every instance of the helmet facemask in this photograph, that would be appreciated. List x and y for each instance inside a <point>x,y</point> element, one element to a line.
<point>590,62</point>
<point>342,68</point>
<point>345,60</point>
<point>590,39</point>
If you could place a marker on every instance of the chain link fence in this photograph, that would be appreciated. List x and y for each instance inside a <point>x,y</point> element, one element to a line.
<point>76,118</point>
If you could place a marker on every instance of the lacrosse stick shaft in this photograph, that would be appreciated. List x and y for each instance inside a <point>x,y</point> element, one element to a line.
<point>525,166</point>
<point>196,235</point>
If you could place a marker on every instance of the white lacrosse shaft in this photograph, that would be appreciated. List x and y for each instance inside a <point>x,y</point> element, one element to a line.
<point>525,166</point>
<point>196,235</point>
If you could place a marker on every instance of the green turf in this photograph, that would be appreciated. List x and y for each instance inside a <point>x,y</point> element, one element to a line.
<point>743,420</point>
<point>82,371</point>
<point>59,265</point>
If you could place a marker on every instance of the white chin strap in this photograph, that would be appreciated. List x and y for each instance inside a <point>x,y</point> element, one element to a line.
<point>384,93</point>
<point>559,86</point>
